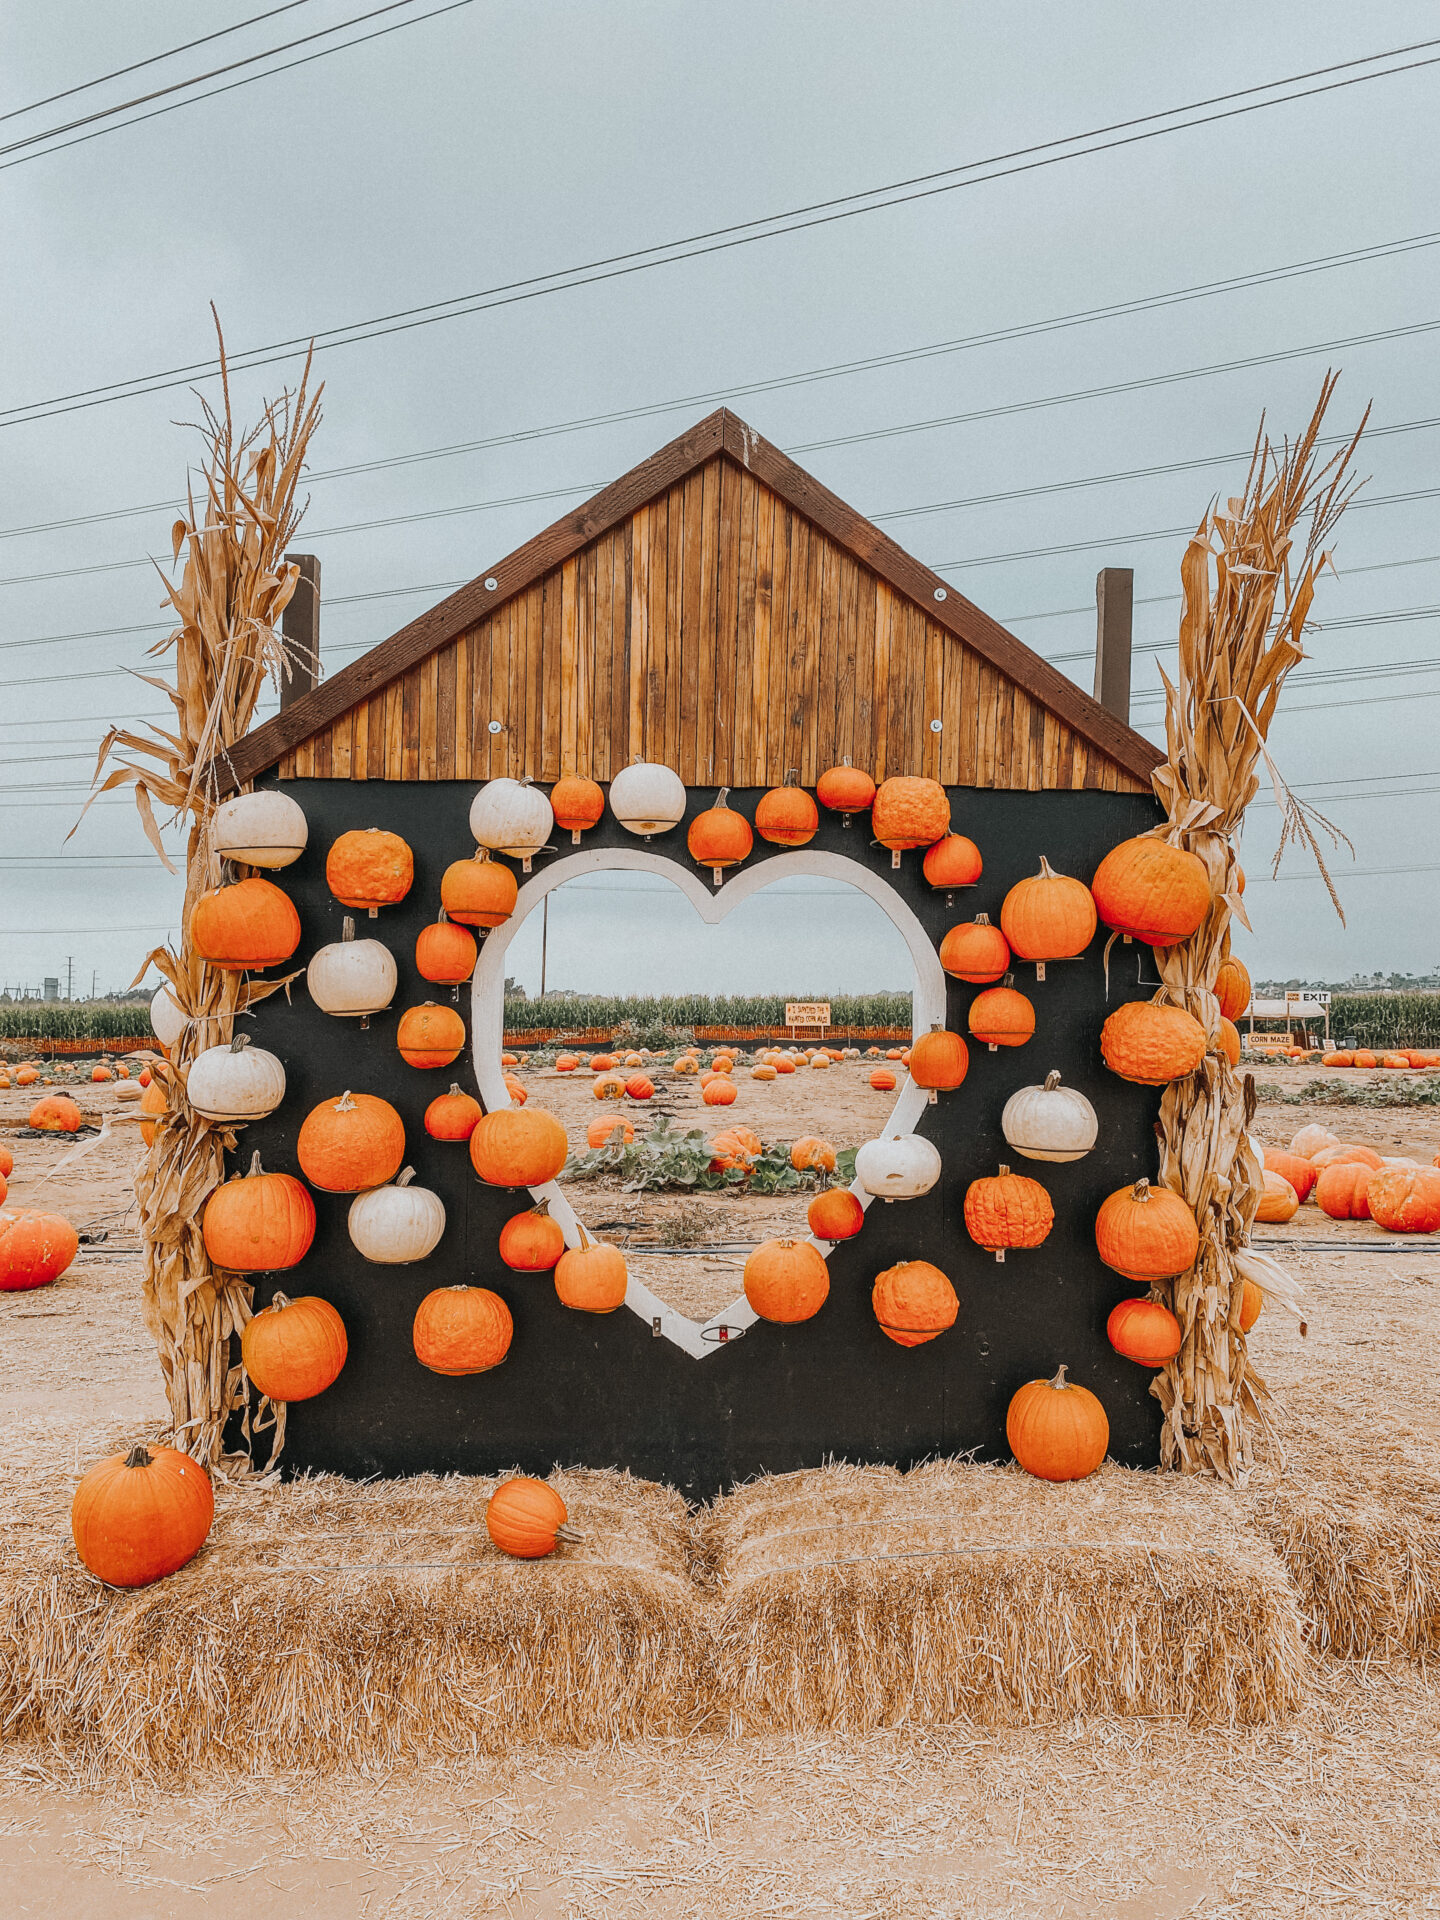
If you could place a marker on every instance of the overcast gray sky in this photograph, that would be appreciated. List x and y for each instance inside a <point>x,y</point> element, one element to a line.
<point>498,142</point>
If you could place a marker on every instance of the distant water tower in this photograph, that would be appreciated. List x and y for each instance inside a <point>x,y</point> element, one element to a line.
<point>52,988</point>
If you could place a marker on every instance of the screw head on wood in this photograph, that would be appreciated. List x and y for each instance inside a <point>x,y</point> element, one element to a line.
<point>491,583</point>
<point>940,593</point>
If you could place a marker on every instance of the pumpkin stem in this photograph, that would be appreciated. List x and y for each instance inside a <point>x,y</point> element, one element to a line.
<point>982,920</point>
<point>571,1535</point>
<point>720,799</point>
<point>1060,1383</point>
<point>1047,872</point>
<point>456,1088</point>
<point>1004,1170</point>
<point>1052,1080</point>
<point>347,928</point>
<point>1141,1192</point>
<point>278,1303</point>
<point>345,1104</point>
<point>139,1456</point>
<point>404,1177</point>
<point>239,1043</point>
<point>792,776</point>
<point>255,1163</point>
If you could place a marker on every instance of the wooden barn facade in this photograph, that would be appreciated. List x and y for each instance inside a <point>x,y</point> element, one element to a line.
<point>720,612</point>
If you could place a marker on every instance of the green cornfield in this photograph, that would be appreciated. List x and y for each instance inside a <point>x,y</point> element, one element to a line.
<point>74,1020</point>
<point>698,1010</point>
<point>1386,1019</point>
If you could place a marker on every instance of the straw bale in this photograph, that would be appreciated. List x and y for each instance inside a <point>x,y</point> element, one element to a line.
<point>860,1597</point>
<point>330,1623</point>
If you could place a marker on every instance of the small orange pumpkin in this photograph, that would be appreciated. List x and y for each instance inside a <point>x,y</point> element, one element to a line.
<point>1251,1301</point>
<point>939,1060</point>
<point>1232,987</point>
<point>518,1148</point>
<point>263,1223</point>
<point>531,1242</point>
<point>351,1144</point>
<point>811,1154</point>
<point>1279,1201</point>
<point>882,1080</point>
<point>787,817</point>
<point>720,837</point>
<point>1002,1017</point>
<point>445,952</point>
<point>429,1035</point>
<point>453,1115</point>
<point>480,892</point>
<point>141,1515</point>
<point>719,1092</point>
<point>251,924</point>
<point>152,1101</point>
<point>975,951</point>
<point>914,1302</point>
<point>526,1517</point>
<point>577,804</point>
<point>1057,1430</point>
<point>1146,1232</point>
<point>786,1280</point>
<point>1144,1331</point>
<point>835,1214</point>
<point>1048,916</point>
<point>1007,1210</point>
<point>460,1330</point>
<point>369,868</point>
<point>35,1248</point>
<point>953,862</point>
<point>592,1277</point>
<point>845,790</point>
<point>1151,890</point>
<point>294,1349</point>
<point>602,1132</point>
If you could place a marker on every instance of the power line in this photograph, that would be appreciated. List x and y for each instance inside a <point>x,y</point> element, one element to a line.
<point>151,60</point>
<point>231,85</point>
<point>1323,263</point>
<point>737,234</point>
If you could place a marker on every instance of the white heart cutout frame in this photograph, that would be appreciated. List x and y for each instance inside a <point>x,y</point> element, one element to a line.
<point>487,1028</point>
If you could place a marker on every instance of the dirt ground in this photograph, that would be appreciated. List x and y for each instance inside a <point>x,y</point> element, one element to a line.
<point>1336,1814</point>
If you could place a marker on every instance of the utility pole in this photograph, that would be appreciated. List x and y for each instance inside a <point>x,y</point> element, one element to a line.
<point>1114,613</point>
<point>70,977</point>
<point>94,981</point>
<point>544,939</point>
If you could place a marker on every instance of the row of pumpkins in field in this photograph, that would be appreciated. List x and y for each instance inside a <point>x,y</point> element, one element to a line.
<point>1349,1181</point>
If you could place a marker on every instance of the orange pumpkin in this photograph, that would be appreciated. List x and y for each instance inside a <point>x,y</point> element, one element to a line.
<point>263,1223</point>
<point>351,1144</point>
<point>516,1090</point>
<point>1301,1175</point>
<point>1346,1153</point>
<point>369,868</point>
<point>835,1214</point>
<point>430,1036</point>
<point>786,1280</point>
<point>1230,1041</point>
<point>784,1064</point>
<point>641,1087</point>
<point>845,790</point>
<point>35,1248</point>
<point>1405,1199</point>
<point>101,1075</point>
<point>1057,1430</point>
<point>566,1062</point>
<point>7,1161</point>
<point>914,1303</point>
<point>1232,987</point>
<point>1151,1044</point>
<point>719,1092</point>
<point>577,804</point>
<point>294,1349</point>
<point>939,1060</point>
<point>720,837</point>
<point>56,1113</point>
<point>531,1242</point>
<point>1251,1301</point>
<point>975,951</point>
<point>910,812</point>
<point>445,952</point>
<point>1337,1059</point>
<point>882,1080</point>
<point>592,1277</point>
<point>27,1076</point>
<point>141,1515</point>
<point>1146,1232</point>
<point>608,1086</point>
<point>1152,891</point>
<point>1366,1059</point>
<point>1048,916</point>
<point>461,1330</point>
<point>763,1072</point>
<point>1001,1017</point>
<point>811,1154</point>
<point>953,862</point>
<point>251,924</point>
<point>1144,1331</point>
<point>515,1147</point>
<point>153,1100</point>
<point>526,1517</point>
<point>453,1115</point>
<point>1279,1201</point>
<point>602,1132</point>
<point>1007,1210</point>
<point>480,892</point>
<point>1342,1191</point>
<point>787,817</point>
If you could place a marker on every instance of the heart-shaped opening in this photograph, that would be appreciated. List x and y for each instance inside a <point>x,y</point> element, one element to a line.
<point>693,1296</point>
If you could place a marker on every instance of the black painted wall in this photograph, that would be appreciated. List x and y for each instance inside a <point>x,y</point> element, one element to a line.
<point>584,1389</point>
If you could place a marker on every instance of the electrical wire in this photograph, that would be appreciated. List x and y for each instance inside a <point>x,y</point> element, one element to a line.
<point>742,233</point>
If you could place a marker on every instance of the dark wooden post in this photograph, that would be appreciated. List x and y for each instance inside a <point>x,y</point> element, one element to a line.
<point>300,628</point>
<point>1114,619</point>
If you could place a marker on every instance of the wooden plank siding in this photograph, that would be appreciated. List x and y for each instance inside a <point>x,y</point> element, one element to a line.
<point>717,629</point>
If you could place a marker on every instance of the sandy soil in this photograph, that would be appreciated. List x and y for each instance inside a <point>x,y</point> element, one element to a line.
<point>1336,1814</point>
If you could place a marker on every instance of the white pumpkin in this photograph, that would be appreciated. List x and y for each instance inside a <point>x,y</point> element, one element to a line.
<point>397,1224</point>
<point>1313,1139</point>
<point>513,818</point>
<point>1050,1122</point>
<point>898,1168</point>
<point>167,1022</point>
<point>646,798</point>
<point>235,1083</point>
<point>352,978</point>
<point>264,829</point>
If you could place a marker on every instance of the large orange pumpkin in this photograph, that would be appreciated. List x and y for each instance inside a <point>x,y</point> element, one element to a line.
<point>845,790</point>
<point>1232,987</point>
<point>430,1036</point>
<point>975,951</point>
<point>787,817</point>
<point>263,1223</point>
<point>27,1076</point>
<point>1279,1201</point>
<point>592,1277</point>
<point>56,1113</point>
<point>910,812</point>
<point>35,1248</point>
<point>914,1302</point>
<point>7,1162</point>
<point>1001,1017</point>
<point>1007,1210</point>
<point>462,1330</point>
<point>1146,1232</point>
<point>953,862</point>
<point>1152,1044</point>
<point>351,1144</point>
<point>811,1154</point>
<point>531,1242</point>
<point>720,837</point>
<point>1144,1331</point>
<point>1301,1175</point>
<point>251,924</point>
<point>453,1115</point>
<point>577,803</point>
<point>445,952</point>
<point>294,1349</point>
<point>141,1515</point>
<point>1346,1153</point>
<point>719,1092</point>
<point>1048,916</point>
<point>369,868</point>
<point>479,893</point>
<point>1343,1189</point>
<point>602,1132</point>
<point>939,1060</point>
<point>835,1214</point>
<point>1151,890</point>
<point>1405,1199</point>
<point>1057,1430</point>
<point>786,1280</point>
<point>526,1517</point>
<point>515,1147</point>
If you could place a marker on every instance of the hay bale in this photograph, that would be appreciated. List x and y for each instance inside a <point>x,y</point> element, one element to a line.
<point>859,1597</point>
<point>335,1624</point>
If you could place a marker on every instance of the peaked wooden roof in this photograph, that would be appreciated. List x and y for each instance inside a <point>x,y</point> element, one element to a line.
<point>795,610</point>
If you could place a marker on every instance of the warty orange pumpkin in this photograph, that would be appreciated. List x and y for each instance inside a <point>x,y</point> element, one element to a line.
<point>459,1330</point>
<point>369,868</point>
<point>909,812</point>
<point>914,1302</point>
<point>1007,1210</point>
<point>1151,1044</point>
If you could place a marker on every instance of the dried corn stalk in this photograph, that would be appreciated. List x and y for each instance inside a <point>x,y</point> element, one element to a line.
<point>1246,601</point>
<point>234,587</point>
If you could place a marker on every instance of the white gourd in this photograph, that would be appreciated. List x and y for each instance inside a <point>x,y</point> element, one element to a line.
<point>397,1224</point>
<point>352,978</point>
<point>235,1083</point>
<point>1050,1122</point>
<point>513,818</point>
<point>264,829</point>
<point>899,1168</point>
<point>646,798</point>
<point>167,1022</point>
